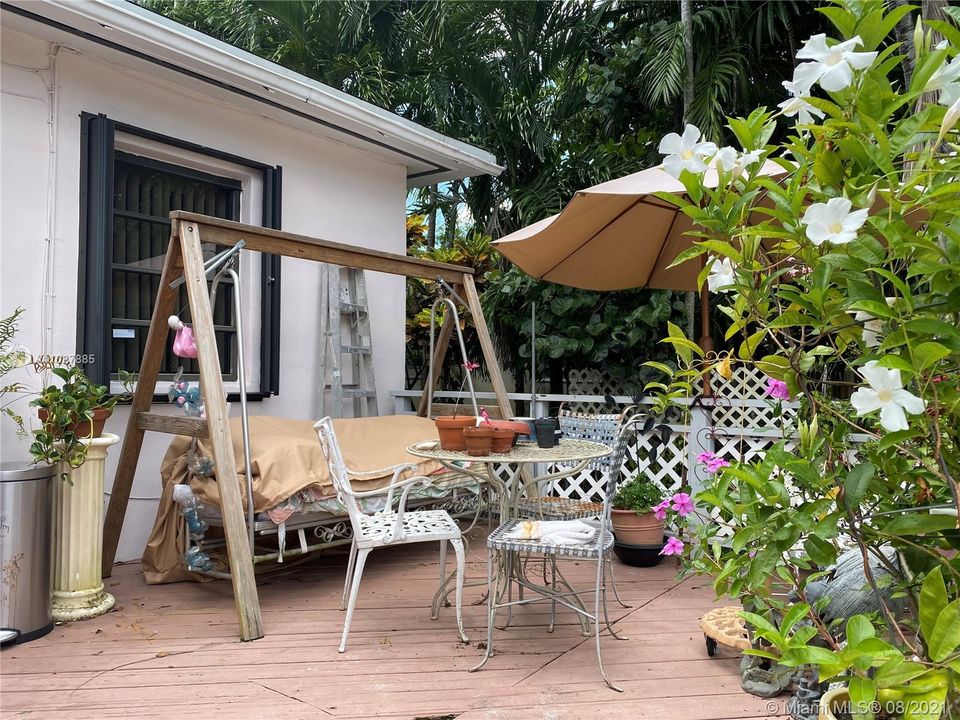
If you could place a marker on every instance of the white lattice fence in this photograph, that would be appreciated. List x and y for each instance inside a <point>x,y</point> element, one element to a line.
<point>742,402</point>
<point>589,382</point>
<point>666,466</point>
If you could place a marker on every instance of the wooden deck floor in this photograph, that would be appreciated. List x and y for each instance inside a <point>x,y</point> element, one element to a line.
<point>172,652</point>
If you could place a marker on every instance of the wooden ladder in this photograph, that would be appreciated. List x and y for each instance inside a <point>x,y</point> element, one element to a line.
<point>346,301</point>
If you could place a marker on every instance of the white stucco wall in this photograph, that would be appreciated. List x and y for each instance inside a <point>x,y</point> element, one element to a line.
<point>330,191</point>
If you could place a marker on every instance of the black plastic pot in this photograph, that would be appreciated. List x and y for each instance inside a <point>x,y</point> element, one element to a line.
<point>647,555</point>
<point>546,429</point>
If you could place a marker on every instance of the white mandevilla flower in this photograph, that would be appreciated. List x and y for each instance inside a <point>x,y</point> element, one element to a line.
<point>686,152</point>
<point>723,276</point>
<point>831,66</point>
<point>833,221</point>
<point>798,105</point>
<point>886,394</point>
<point>946,79</point>
<point>730,161</point>
<point>872,326</point>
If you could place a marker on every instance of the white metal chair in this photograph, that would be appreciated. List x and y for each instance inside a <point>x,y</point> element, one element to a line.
<point>388,526</point>
<point>603,428</point>
<point>598,549</point>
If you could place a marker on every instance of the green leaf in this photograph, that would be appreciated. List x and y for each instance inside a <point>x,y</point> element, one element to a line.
<point>945,638</point>
<point>820,551</point>
<point>898,672</point>
<point>859,628</point>
<point>920,524</point>
<point>933,599</point>
<point>856,483</point>
<point>862,694</point>
<point>927,354</point>
<point>811,655</point>
<point>750,345</point>
<point>794,615</point>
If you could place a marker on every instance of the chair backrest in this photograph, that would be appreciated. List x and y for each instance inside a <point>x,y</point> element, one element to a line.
<point>339,474</point>
<point>615,431</point>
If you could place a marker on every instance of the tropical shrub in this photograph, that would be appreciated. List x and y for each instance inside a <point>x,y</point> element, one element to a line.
<point>849,258</point>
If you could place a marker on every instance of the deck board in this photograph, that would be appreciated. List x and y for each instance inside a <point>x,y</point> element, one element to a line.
<point>172,651</point>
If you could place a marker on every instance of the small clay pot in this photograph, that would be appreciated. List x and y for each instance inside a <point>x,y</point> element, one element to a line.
<point>479,440</point>
<point>519,428</point>
<point>450,429</point>
<point>503,439</point>
<point>83,429</point>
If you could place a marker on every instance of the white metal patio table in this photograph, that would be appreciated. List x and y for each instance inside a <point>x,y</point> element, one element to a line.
<point>574,454</point>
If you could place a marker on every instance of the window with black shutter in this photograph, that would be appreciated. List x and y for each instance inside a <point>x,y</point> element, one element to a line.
<point>126,199</point>
<point>144,193</point>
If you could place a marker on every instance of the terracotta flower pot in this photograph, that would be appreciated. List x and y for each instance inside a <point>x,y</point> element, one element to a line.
<point>502,439</point>
<point>479,439</point>
<point>450,428</point>
<point>633,528</point>
<point>83,429</point>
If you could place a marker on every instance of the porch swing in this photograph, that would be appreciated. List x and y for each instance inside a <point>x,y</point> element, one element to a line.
<point>315,525</point>
<point>184,260</point>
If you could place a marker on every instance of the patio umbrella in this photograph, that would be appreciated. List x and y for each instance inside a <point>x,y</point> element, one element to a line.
<point>615,236</point>
<point>619,235</point>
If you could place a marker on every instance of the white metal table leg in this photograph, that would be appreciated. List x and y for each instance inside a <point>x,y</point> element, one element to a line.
<point>461,563</point>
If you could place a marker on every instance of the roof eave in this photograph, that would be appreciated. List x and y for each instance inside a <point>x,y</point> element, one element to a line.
<point>122,23</point>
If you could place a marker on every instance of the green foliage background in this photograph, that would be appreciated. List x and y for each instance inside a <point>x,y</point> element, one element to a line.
<point>565,94</point>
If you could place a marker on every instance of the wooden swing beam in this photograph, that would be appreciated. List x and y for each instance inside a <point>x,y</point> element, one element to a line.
<point>184,259</point>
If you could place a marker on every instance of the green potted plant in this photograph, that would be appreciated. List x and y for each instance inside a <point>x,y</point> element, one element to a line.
<point>70,413</point>
<point>71,437</point>
<point>634,516</point>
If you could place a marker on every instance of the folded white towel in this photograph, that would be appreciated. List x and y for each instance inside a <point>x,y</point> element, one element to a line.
<point>554,532</point>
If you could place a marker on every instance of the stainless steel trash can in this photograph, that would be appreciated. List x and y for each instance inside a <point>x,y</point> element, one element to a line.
<point>26,493</point>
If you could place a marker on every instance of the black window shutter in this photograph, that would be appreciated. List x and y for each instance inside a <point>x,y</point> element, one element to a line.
<point>94,299</point>
<point>270,287</point>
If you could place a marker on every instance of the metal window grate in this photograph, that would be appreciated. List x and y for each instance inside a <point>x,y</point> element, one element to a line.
<point>145,191</point>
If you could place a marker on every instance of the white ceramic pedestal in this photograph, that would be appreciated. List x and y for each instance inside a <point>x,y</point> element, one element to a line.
<point>78,537</point>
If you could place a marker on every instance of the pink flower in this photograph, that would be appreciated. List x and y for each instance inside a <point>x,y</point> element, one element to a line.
<point>485,415</point>
<point>682,504</point>
<point>777,389</point>
<point>470,366</point>
<point>712,462</point>
<point>673,547</point>
<point>660,511</point>
<point>716,464</point>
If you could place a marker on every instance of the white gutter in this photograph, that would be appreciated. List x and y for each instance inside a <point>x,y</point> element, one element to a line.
<point>128,25</point>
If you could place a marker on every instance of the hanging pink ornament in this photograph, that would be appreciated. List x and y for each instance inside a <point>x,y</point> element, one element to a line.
<point>183,344</point>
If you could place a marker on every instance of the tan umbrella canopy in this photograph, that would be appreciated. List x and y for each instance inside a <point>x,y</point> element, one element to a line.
<point>615,236</point>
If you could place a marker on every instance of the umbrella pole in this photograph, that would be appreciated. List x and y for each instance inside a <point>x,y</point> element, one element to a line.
<point>706,341</point>
<point>533,359</point>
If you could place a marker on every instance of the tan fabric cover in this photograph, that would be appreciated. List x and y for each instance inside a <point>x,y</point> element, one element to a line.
<point>286,457</point>
<point>615,236</point>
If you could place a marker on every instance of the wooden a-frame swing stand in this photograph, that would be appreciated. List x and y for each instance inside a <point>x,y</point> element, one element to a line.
<point>184,258</point>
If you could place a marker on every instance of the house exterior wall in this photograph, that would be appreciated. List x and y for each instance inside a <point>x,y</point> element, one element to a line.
<point>329,190</point>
